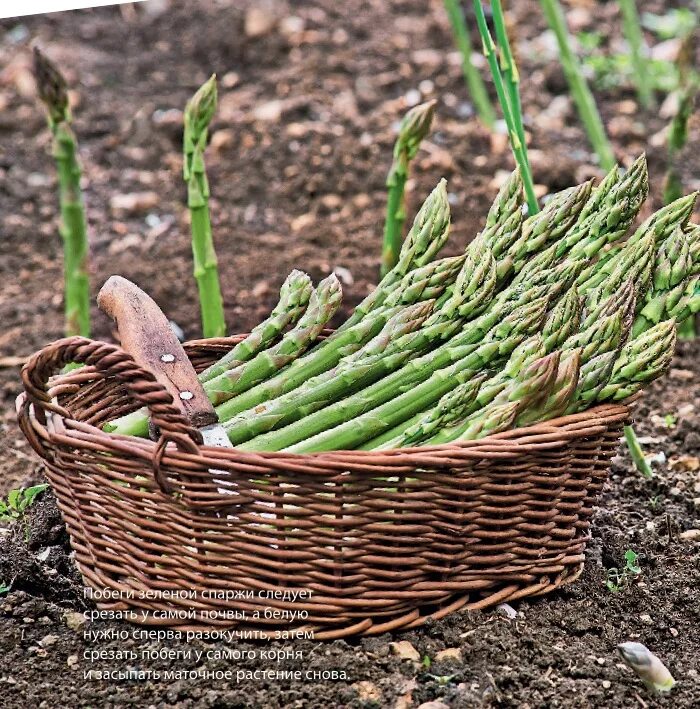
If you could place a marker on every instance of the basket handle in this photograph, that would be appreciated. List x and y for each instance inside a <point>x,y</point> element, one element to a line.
<point>110,361</point>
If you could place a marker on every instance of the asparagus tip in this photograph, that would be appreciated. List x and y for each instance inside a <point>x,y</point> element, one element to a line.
<point>51,87</point>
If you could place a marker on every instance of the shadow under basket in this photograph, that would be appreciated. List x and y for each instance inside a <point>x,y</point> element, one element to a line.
<point>331,544</point>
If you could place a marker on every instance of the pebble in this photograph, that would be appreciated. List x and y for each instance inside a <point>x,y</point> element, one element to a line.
<point>450,653</point>
<point>49,640</point>
<point>404,650</point>
<point>367,691</point>
<point>302,222</point>
<point>646,618</point>
<point>72,660</point>
<point>133,202</point>
<point>435,704</point>
<point>291,25</point>
<point>222,140</point>
<point>260,19</point>
<point>690,535</point>
<point>607,684</point>
<point>74,620</point>
<point>269,112</point>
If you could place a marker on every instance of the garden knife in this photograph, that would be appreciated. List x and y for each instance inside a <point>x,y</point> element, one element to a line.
<point>146,335</point>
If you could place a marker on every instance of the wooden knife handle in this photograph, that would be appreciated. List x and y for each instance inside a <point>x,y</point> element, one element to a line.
<point>146,335</point>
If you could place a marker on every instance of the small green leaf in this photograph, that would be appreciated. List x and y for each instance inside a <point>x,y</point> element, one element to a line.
<point>13,499</point>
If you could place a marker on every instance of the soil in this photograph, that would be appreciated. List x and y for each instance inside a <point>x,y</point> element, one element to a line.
<point>297,164</point>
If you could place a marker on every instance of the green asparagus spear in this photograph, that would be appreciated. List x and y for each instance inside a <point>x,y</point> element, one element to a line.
<point>560,394</point>
<point>548,226</point>
<point>356,419</point>
<point>414,127</point>
<point>450,409</point>
<point>531,388</point>
<point>562,321</point>
<point>422,243</point>
<point>198,113</point>
<point>323,303</point>
<point>679,303</point>
<point>379,357</point>
<point>642,359</point>
<point>53,92</point>
<point>472,292</point>
<point>294,297</point>
<point>593,376</point>
<point>609,212</point>
<point>504,220</point>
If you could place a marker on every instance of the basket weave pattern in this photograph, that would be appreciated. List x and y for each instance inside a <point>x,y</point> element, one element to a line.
<point>380,540</point>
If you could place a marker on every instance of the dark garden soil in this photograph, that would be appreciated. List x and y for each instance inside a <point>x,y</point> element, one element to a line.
<point>299,151</point>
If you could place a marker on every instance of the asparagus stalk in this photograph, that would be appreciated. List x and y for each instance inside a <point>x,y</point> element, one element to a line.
<point>556,218</point>
<point>678,130</point>
<point>423,241</point>
<point>633,34</point>
<point>593,376</point>
<point>678,303</point>
<point>475,84</point>
<point>505,218</point>
<point>451,408</point>
<point>426,283</point>
<point>634,262</point>
<point>664,222</point>
<point>495,390</point>
<point>530,388</point>
<point>494,419</point>
<point>607,216</point>
<point>475,290</point>
<point>587,109</point>
<point>474,286</point>
<point>560,394</point>
<point>198,113</point>
<point>517,145</point>
<point>414,127</point>
<point>622,300</point>
<point>364,415</point>
<point>294,297</point>
<point>562,320</point>
<point>379,357</point>
<point>53,92</point>
<point>642,359</point>
<point>324,301</point>
<point>510,70</point>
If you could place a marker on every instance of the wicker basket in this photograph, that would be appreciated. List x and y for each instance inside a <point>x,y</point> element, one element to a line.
<point>370,541</point>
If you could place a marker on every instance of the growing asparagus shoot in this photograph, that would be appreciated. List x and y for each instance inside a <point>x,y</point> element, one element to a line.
<point>198,114</point>
<point>475,84</point>
<point>585,103</point>
<point>509,112</point>
<point>414,127</point>
<point>53,92</point>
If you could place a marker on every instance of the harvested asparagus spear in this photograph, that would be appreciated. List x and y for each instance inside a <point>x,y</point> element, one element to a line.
<point>560,394</point>
<point>355,371</point>
<point>198,113</point>
<point>642,359</point>
<point>530,389</point>
<point>294,297</point>
<point>423,381</point>
<point>450,409</point>
<point>609,212</point>
<point>324,301</point>
<point>422,243</point>
<point>53,92</point>
<point>472,291</point>
<point>414,127</point>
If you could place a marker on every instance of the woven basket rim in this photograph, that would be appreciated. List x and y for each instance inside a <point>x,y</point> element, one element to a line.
<point>538,436</point>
